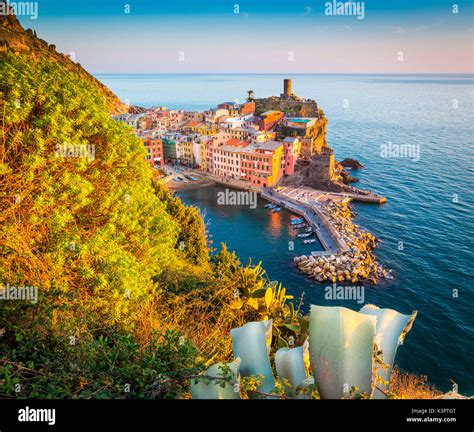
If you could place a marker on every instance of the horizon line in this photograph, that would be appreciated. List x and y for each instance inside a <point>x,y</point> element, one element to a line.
<point>287,73</point>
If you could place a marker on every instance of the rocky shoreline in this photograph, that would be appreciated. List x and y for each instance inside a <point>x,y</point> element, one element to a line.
<point>357,266</point>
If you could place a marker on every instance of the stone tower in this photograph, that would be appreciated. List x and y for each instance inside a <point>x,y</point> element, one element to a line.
<point>287,88</point>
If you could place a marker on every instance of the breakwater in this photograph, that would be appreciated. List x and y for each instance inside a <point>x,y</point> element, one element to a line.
<point>347,255</point>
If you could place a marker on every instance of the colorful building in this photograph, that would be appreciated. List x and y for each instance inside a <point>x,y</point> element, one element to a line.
<point>227,159</point>
<point>262,164</point>
<point>292,148</point>
<point>269,119</point>
<point>247,108</point>
<point>154,147</point>
<point>169,150</point>
<point>184,151</point>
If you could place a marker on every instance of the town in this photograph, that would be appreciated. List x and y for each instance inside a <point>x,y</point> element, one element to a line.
<point>245,142</point>
<point>275,146</point>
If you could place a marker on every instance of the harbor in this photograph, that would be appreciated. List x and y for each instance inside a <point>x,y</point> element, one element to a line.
<point>347,254</point>
<point>347,250</point>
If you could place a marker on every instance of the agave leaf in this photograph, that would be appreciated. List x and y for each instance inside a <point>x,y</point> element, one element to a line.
<point>220,382</point>
<point>391,329</point>
<point>341,345</point>
<point>250,343</point>
<point>290,366</point>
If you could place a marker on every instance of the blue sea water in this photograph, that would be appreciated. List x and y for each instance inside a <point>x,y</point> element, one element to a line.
<point>426,226</point>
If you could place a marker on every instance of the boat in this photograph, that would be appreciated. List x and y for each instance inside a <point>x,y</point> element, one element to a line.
<point>309,241</point>
<point>270,206</point>
<point>296,221</point>
<point>304,235</point>
<point>309,229</point>
<point>277,209</point>
<point>301,225</point>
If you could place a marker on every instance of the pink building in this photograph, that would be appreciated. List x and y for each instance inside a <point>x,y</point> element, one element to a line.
<point>291,153</point>
<point>227,159</point>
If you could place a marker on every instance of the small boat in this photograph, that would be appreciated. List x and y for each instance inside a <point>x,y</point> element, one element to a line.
<point>277,209</point>
<point>304,235</point>
<point>301,225</point>
<point>296,221</point>
<point>309,241</point>
<point>309,229</point>
<point>270,206</point>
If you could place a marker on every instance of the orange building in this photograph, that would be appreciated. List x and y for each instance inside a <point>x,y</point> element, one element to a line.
<point>262,164</point>
<point>269,119</point>
<point>154,148</point>
<point>247,108</point>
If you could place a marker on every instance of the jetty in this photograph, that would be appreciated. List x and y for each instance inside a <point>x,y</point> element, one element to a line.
<point>307,194</point>
<point>328,236</point>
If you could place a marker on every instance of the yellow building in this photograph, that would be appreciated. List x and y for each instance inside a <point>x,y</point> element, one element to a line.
<point>184,151</point>
<point>206,130</point>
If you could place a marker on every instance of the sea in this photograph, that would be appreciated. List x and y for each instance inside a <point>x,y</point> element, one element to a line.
<point>414,134</point>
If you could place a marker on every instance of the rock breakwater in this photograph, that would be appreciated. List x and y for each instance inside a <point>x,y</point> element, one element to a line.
<point>359,265</point>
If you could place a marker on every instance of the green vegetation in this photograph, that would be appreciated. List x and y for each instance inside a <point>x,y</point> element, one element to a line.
<point>13,38</point>
<point>131,303</point>
<point>129,297</point>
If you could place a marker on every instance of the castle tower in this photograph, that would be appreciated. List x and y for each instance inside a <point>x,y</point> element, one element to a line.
<point>287,88</point>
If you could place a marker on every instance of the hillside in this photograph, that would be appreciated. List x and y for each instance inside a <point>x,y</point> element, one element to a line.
<point>120,295</point>
<point>107,278</point>
<point>15,39</point>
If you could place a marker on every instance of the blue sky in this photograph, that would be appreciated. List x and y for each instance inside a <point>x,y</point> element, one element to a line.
<point>264,36</point>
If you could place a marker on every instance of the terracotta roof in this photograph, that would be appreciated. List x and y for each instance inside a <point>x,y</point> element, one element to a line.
<point>236,143</point>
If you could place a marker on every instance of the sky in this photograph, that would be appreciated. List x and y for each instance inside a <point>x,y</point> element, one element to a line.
<point>260,36</point>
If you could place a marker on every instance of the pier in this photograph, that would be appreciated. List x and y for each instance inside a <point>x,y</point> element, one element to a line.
<point>308,194</point>
<point>328,236</point>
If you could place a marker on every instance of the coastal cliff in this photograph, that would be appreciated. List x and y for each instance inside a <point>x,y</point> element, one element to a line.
<point>16,40</point>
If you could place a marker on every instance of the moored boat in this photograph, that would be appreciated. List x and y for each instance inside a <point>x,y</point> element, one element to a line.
<point>304,235</point>
<point>301,225</point>
<point>296,220</point>
<point>309,241</point>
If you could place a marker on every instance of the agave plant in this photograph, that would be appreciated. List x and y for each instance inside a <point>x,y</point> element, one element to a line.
<point>290,364</point>
<point>220,381</point>
<point>251,343</point>
<point>391,329</point>
<point>341,346</point>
